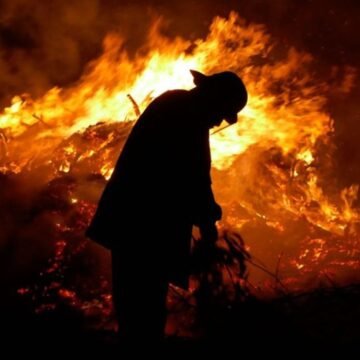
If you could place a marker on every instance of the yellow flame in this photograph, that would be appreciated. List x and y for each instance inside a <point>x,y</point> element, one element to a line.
<point>306,156</point>
<point>285,110</point>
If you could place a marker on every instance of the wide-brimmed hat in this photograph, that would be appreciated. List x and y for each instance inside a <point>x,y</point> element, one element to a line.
<point>227,87</point>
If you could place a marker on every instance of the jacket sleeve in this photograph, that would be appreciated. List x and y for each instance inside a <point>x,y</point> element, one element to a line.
<point>206,210</point>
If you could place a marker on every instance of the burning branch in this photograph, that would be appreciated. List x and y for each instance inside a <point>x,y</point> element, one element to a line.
<point>135,105</point>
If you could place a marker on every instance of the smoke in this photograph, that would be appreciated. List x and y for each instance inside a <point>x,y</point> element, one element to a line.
<point>45,44</point>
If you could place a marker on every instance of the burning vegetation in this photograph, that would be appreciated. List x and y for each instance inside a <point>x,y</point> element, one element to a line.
<point>273,171</point>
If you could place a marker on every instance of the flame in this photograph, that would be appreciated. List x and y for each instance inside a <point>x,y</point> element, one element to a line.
<point>270,157</point>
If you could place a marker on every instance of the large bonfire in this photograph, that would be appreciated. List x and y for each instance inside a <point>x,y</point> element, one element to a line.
<point>272,171</point>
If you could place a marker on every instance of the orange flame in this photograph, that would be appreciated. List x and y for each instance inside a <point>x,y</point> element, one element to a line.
<point>285,111</point>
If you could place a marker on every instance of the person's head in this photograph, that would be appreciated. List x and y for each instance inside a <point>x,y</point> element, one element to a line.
<point>224,95</point>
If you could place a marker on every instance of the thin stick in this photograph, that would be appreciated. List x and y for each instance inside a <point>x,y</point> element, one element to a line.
<point>135,105</point>
<point>221,129</point>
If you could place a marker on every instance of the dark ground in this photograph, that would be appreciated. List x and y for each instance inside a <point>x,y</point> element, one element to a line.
<point>326,320</point>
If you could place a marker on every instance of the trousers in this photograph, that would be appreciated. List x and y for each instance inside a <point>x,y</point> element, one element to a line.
<point>139,298</point>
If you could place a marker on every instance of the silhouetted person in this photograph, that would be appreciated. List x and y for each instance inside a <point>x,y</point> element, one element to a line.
<point>160,188</point>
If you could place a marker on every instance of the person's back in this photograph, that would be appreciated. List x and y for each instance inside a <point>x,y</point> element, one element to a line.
<point>155,176</point>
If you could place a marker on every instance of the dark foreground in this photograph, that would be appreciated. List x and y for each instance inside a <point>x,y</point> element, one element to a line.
<point>325,319</point>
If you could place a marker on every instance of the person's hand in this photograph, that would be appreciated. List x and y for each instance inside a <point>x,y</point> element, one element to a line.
<point>206,215</point>
<point>209,233</point>
<point>204,252</point>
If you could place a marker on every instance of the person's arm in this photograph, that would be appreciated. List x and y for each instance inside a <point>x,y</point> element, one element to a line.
<point>207,211</point>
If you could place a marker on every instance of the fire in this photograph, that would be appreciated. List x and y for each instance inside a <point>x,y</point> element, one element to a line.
<point>268,166</point>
